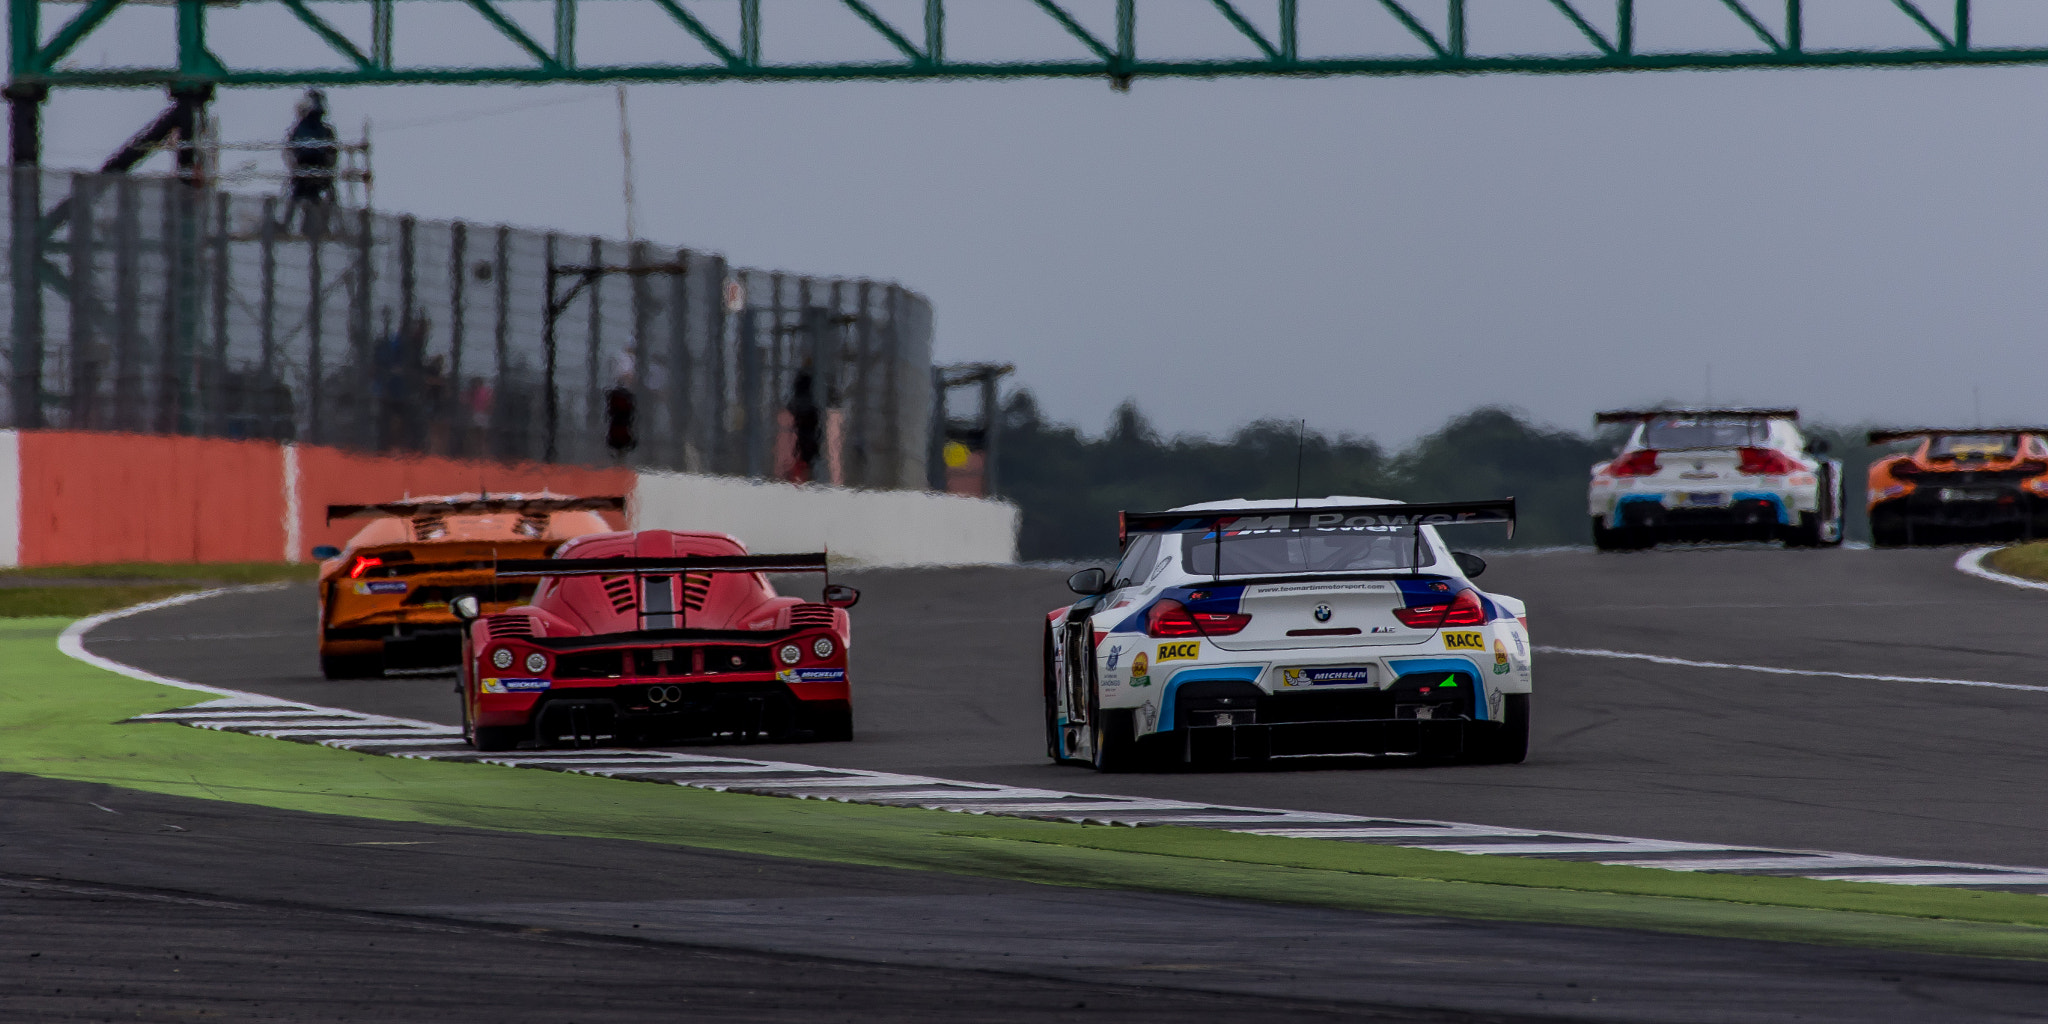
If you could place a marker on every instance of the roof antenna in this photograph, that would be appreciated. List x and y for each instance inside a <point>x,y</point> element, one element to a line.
<point>1300,439</point>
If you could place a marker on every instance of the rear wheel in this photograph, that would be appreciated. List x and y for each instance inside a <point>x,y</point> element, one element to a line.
<point>351,666</point>
<point>1888,529</point>
<point>1052,705</point>
<point>1621,538</point>
<point>835,725</point>
<point>487,738</point>
<point>1115,736</point>
<point>1508,742</point>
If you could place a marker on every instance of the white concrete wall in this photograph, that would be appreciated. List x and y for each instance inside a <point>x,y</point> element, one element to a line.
<point>869,527</point>
<point>10,498</point>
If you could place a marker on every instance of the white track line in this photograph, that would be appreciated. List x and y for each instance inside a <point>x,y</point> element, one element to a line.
<point>257,714</point>
<point>1660,659</point>
<point>72,641</point>
<point>1972,563</point>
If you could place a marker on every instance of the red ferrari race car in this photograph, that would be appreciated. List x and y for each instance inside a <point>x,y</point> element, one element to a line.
<point>657,636</point>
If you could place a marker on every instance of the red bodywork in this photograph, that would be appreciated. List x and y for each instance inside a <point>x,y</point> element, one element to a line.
<point>652,656</point>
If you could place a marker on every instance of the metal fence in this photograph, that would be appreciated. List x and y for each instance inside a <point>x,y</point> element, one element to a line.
<point>144,304</point>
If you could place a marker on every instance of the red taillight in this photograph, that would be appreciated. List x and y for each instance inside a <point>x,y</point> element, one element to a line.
<point>1172,619</point>
<point>1639,463</point>
<point>362,564</point>
<point>1463,610</point>
<point>1768,462</point>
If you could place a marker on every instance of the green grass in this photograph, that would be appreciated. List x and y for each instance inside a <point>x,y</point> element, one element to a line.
<point>2029,560</point>
<point>60,719</point>
<point>80,590</point>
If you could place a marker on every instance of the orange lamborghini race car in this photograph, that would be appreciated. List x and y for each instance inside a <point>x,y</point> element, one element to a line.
<point>1988,483</point>
<point>384,598</point>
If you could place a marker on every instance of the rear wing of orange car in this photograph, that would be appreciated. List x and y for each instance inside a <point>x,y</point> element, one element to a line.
<point>1916,433</point>
<point>1639,415</point>
<point>526,505</point>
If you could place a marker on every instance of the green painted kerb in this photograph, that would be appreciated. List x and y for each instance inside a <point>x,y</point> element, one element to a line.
<point>60,719</point>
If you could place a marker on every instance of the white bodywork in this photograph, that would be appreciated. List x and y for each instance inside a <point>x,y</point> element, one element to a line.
<point>1310,637</point>
<point>1702,492</point>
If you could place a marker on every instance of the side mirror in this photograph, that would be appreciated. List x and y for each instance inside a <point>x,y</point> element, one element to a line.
<point>1089,582</point>
<point>839,595</point>
<point>326,551</point>
<point>466,607</point>
<point>1469,564</point>
<point>1817,446</point>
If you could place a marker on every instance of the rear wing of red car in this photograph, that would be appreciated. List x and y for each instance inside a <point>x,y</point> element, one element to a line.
<point>1916,433</point>
<point>656,604</point>
<point>809,562</point>
<point>1322,517</point>
<point>1639,415</point>
<point>477,505</point>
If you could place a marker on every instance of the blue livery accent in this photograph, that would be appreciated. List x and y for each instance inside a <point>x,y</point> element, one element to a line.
<point>1614,518</point>
<point>1419,666</point>
<point>1240,673</point>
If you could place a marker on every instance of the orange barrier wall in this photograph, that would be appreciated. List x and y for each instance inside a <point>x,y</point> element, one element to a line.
<point>92,497</point>
<point>99,497</point>
<point>329,476</point>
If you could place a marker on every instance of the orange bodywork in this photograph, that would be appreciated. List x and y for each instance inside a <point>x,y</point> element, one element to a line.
<point>1981,481</point>
<point>384,600</point>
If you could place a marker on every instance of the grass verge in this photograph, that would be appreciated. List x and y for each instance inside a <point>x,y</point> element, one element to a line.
<point>59,719</point>
<point>2028,561</point>
<point>75,591</point>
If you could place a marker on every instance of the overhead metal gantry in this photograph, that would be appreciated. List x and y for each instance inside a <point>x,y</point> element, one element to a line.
<point>724,40</point>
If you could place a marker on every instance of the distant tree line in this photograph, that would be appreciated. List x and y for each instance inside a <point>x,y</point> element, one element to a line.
<point>1070,486</point>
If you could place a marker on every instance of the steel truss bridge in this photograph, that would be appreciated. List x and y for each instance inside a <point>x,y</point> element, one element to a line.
<point>723,40</point>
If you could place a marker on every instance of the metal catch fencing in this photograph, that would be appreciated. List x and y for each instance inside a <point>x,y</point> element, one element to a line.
<point>145,304</point>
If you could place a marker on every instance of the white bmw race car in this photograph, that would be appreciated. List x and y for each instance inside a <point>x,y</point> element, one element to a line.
<point>1247,630</point>
<point>1715,475</point>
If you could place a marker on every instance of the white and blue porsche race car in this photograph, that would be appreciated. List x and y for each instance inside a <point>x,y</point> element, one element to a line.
<point>1248,630</point>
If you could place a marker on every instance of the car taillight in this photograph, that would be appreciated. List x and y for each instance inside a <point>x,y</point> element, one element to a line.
<point>1767,462</point>
<point>1463,610</point>
<point>1638,463</point>
<point>1172,619</point>
<point>1904,469</point>
<point>362,564</point>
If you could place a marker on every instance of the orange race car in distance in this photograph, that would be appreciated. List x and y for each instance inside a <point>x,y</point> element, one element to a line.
<point>384,598</point>
<point>1980,483</point>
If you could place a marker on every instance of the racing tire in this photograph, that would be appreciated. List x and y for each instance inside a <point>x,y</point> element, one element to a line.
<point>1052,708</point>
<point>495,738</point>
<point>834,726</point>
<point>490,739</point>
<point>1115,736</point>
<point>1806,533</point>
<point>352,666</point>
<point>1508,743</point>
<point>1620,538</point>
<point>1888,529</point>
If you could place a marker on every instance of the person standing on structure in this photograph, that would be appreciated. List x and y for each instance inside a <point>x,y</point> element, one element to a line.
<point>310,154</point>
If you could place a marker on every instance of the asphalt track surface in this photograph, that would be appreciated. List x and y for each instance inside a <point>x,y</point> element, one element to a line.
<point>946,681</point>
<point>311,924</point>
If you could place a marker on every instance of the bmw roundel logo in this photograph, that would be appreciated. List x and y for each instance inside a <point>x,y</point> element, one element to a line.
<point>1322,613</point>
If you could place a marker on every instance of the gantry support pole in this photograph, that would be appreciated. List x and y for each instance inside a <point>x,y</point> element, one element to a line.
<point>25,250</point>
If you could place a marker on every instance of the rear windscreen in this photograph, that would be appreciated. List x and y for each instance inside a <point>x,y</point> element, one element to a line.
<point>1674,432</point>
<point>1974,446</point>
<point>1279,552</point>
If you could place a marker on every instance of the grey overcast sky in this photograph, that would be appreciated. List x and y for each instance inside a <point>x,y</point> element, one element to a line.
<point>1372,254</point>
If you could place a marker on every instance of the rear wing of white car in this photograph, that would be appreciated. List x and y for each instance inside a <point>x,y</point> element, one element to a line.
<point>1639,415</point>
<point>1232,521</point>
